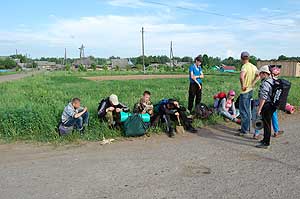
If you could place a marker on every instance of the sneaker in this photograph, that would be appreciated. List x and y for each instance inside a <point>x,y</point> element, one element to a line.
<point>240,134</point>
<point>192,130</point>
<point>238,121</point>
<point>278,134</point>
<point>262,146</point>
<point>82,131</point>
<point>256,136</point>
<point>171,133</point>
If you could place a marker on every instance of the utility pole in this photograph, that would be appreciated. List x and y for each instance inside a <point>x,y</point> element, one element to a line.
<point>143,50</point>
<point>171,55</point>
<point>65,61</point>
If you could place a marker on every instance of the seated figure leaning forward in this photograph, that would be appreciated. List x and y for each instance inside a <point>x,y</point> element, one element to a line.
<point>169,111</point>
<point>109,110</point>
<point>75,116</point>
<point>144,105</point>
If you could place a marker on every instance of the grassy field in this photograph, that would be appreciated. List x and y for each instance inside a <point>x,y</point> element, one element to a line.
<point>30,108</point>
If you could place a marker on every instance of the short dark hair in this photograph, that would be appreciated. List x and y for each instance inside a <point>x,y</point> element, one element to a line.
<point>198,58</point>
<point>75,99</point>
<point>146,93</point>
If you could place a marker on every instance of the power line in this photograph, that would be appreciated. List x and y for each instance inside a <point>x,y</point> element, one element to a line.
<point>209,12</point>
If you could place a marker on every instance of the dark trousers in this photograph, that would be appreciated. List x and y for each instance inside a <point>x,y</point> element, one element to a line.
<point>267,113</point>
<point>194,91</point>
<point>78,122</point>
<point>170,119</point>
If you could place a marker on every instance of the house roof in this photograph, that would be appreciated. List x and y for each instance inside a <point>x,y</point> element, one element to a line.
<point>228,67</point>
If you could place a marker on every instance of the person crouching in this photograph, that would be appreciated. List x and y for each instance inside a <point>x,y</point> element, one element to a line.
<point>169,111</point>
<point>75,116</point>
<point>109,110</point>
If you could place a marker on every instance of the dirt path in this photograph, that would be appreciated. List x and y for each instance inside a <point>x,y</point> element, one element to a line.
<point>134,77</point>
<point>211,164</point>
<point>5,78</point>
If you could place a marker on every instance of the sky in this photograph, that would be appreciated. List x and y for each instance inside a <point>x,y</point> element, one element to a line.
<point>220,28</point>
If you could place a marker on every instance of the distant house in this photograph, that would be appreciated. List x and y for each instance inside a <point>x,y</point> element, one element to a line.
<point>48,65</point>
<point>227,69</point>
<point>289,68</point>
<point>86,61</point>
<point>121,63</point>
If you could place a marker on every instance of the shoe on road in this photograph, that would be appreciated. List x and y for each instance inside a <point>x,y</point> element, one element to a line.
<point>262,146</point>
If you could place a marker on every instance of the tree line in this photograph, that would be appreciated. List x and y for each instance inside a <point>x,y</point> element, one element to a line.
<point>208,61</point>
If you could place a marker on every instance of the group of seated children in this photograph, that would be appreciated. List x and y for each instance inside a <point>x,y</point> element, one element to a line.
<point>167,111</point>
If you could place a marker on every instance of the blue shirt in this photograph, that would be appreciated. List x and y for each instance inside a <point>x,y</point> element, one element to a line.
<point>197,71</point>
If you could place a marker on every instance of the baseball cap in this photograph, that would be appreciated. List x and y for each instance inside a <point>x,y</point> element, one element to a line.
<point>231,93</point>
<point>114,99</point>
<point>245,54</point>
<point>264,69</point>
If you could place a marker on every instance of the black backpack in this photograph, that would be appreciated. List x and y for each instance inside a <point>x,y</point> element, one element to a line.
<point>202,111</point>
<point>280,93</point>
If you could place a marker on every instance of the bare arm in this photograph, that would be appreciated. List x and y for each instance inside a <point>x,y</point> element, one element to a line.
<point>255,80</point>
<point>195,78</point>
<point>80,114</point>
<point>242,80</point>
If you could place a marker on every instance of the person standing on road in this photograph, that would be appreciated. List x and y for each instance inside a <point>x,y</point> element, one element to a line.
<point>275,72</point>
<point>265,108</point>
<point>195,90</point>
<point>247,78</point>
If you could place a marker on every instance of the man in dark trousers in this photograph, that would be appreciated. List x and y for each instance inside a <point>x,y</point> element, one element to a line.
<point>195,89</point>
<point>265,108</point>
<point>169,110</point>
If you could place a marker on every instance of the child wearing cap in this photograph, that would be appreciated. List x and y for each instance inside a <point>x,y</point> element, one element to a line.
<point>265,108</point>
<point>227,108</point>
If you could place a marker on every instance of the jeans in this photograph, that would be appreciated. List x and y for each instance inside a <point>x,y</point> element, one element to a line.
<point>267,113</point>
<point>78,122</point>
<point>194,91</point>
<point>228,115</point>
<point>245,111</point>
<point>275,122</point>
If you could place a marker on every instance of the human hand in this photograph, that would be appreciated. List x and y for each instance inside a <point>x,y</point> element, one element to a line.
<point>176,104</point>
<point>259,113</point>
<point>118,110</point>
<point>85,109</point>
<point>177,114</point>
<point>110,109</point>
<point>244,88</point>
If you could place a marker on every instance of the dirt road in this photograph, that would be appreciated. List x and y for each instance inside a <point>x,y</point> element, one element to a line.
<point>5,78</point>
<point>134,77</point>
<point>212,164</point>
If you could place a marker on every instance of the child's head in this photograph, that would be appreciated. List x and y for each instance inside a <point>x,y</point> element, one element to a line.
<point>275,70</point>
<point>231,94</point>
<point>264,72</point>
<point>76,102</point>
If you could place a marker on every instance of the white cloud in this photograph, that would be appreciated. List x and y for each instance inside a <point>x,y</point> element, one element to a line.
<point>120,35</point>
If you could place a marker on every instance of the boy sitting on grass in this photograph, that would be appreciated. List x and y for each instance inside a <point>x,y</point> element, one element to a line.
<point>109,110</point>
<point>75,116</point>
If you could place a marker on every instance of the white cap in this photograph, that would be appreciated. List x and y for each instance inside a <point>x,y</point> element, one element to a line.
<point>114,99</point>
<point>265,69</point>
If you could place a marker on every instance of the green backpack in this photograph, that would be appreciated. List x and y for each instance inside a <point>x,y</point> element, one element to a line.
<point>134,126</point>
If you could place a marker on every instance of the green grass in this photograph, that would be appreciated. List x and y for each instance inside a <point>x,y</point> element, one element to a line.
<point>30,108</point>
